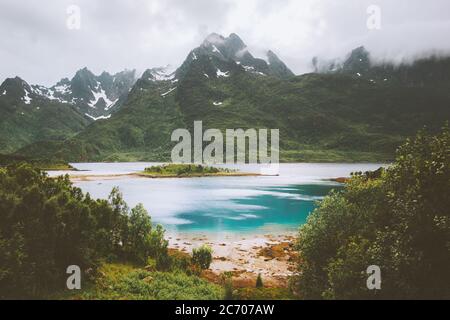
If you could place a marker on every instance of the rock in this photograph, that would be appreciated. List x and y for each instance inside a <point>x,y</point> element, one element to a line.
<point>221,258</point>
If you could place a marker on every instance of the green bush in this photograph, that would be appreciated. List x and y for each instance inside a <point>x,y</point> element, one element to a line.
<point>202,257</point>
<point>183,169</point>
<point>259,282</point>
<point>46,225</point>
<point>144,285</point>
<point>398,219</point>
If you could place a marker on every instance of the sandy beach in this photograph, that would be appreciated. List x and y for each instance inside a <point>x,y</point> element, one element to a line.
<point>94,177</point>
<point>245,256</point>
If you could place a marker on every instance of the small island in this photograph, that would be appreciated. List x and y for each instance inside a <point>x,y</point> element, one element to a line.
<point>190,171</point>
<point>42,164</point>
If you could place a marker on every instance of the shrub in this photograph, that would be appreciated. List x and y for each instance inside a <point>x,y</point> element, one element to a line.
<point>202,257</point>
<point>47,224</point>
<point>398,219</point>
<point>136,284</point>
<point>228,286</point>
<point>259,282</point>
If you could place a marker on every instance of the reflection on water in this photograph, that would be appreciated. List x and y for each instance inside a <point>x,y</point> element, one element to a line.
<point>224,204</point>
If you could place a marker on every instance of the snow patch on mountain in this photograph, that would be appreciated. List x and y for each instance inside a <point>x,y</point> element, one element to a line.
<point>253,70</point>
<point>111,105</point>
<point>168,92</point>
<point>97,118</point>
<point>50,93</point>
<point>100,94</point>
<point>26,98</point>
<point>163,74</point>
<point>215,50</point>
<point>222,74</point>
<point>63,89</point>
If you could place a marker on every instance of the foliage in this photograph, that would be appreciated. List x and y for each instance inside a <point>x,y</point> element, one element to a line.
<point>182,170</point>
<point>46,225</point>
<point>125,282</point>
<point>42,120</point>
<point>399,221</point>
<point>202,256</point>
<point>227,279</point>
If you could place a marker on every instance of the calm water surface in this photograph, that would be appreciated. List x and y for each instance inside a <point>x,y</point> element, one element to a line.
<point>224,204</point>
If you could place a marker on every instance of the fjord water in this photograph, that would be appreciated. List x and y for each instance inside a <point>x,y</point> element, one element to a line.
<point>223,204</point>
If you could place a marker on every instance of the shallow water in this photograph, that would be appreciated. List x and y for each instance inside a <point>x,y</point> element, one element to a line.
<point>224,204</point>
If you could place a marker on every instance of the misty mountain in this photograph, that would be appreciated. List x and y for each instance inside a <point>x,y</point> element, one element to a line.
<point>346,113</point>
<point>94,96</point>
<point>222,56</point>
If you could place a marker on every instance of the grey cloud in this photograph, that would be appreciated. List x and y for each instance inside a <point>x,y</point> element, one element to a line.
<point>36,45</point>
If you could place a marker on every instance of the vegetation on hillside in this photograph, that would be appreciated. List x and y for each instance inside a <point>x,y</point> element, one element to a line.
<point>7,160</point>
<point>399,221</point>
<point>321,117</point>
<point>46,225</point>
<point>119,282</point>
<point>42,120</point>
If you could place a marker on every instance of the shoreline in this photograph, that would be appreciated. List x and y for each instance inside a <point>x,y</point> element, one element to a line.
<point>93,177</point>
<point>244,255</point>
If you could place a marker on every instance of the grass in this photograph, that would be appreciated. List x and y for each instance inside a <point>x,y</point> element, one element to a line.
<point>127,282</point>
<point>115,281</point>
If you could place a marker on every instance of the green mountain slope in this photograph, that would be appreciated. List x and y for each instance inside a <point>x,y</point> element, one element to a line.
<point>27,118</point>
<point>334,116</point>
<point>140,130</point>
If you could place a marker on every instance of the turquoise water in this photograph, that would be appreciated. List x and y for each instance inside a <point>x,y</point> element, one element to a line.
<point>224,204</point>
<point>278,207</point>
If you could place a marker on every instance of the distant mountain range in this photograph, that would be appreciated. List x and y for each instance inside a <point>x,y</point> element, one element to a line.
<point>345,111</point>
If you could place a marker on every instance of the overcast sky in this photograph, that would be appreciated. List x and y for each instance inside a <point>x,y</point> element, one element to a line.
<point>37,45</point>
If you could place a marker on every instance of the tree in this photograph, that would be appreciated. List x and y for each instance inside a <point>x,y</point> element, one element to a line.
<point>47,224</point>
<point>397,219</point>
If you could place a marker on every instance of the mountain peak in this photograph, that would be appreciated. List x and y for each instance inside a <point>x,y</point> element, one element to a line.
<point>159,74</point>
<point>218,52</point>
<point>16,81</point>
<point>213,38</point>
<point>358,60</point>
<point>84,73</point>
<point>16,88</point>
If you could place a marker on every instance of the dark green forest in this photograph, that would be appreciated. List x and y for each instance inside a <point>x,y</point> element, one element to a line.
<point>397,219</point>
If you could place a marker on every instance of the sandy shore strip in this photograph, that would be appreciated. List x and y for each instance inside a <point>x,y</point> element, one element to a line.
<point>245,256</point>
<point>103,177</point>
